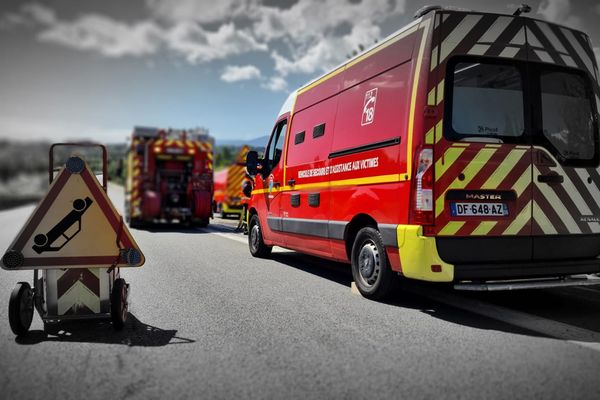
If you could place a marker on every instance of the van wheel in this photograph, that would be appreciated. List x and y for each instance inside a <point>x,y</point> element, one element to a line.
<point>258,248</point>
<point>370,267</point>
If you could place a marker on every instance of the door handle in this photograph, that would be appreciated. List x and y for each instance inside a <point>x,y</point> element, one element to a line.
<point>551,178</point>
<point>292,182</point>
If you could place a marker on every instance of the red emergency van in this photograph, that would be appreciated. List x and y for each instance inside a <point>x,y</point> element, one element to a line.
<point>462,148</point>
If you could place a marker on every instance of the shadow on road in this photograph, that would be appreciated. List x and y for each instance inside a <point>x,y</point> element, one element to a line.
<point>560,306</point>
<point>135,333</point>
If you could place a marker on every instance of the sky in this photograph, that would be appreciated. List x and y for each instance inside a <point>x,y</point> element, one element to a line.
<point>83,69</point>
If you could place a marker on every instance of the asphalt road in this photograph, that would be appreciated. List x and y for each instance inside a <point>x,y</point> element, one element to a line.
<point>209,321</point>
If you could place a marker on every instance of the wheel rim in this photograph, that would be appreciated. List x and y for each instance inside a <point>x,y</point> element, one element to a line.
<point>254,237</point>
<point>369,265</point>
<point>26,308</point>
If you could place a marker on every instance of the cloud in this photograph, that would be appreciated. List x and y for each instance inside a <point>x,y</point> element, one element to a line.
<point>275,84</point>
<point>105,36</point>
<point>203,11</point>
<point>39,13</point>
<point>234,73</point>
<point>310,19</point>
<point>320,34</point>
<point>305,37</point>
<point>559,11</point>
<point>113,38</point>
<point>198,45</point>
<point>326,53</point>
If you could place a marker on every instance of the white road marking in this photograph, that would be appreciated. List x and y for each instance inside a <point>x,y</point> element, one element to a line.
<point>556,329</point>
<point>232,236</point>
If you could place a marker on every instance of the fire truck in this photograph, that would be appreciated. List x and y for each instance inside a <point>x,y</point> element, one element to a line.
<point>169,177</point>
<point>463,148</point>
<point>231,181</point>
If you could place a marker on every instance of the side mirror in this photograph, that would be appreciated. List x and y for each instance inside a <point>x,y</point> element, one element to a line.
<point>252,163</point>
<point>247,189</point>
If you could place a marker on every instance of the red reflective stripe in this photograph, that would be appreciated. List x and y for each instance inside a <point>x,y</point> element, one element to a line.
<point>72,276</point>
<point>42,209</point>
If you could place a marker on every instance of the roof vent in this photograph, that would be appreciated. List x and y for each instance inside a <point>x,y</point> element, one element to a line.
<point>424,10</point>
<point>524,9</point>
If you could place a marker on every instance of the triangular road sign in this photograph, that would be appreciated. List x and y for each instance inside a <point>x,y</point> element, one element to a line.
<point>74,226</point>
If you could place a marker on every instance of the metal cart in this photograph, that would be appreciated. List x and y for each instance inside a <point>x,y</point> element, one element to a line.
<point>70,293</point>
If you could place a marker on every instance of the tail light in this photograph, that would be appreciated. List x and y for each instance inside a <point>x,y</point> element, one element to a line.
<point>422,211</point>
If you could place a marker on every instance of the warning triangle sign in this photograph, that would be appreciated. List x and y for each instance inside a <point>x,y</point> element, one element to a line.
<point>74,226</point>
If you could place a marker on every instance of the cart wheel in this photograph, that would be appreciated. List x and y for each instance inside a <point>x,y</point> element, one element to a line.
<point>119,307</point>
<point>20,308</point>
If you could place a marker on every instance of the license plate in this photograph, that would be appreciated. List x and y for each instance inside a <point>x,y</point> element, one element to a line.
<point>174,150</point>
<point>478,209</point>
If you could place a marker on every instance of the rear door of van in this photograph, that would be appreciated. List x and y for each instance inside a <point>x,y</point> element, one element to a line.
<point>566,196</point>
<point>482,149</point>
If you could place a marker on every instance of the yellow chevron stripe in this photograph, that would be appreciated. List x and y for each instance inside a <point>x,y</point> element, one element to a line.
<point>159,142</point>
<point>451,228</point>
<point>438,131</point>
<point>440,92</point>
<point>503,169</point>
<point>558,206</point>
<point>476,164</point>
<point>484,228</point>
<point>444,163</point>
<point>209,156</point>
<point>523,182</point>
<point>431,98</point>
<point>179,143</point>
<point>520,221</point>
<point>430,135</point>
<point>542,220</point>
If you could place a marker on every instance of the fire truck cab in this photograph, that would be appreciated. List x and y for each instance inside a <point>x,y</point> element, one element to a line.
<point>463,148</point>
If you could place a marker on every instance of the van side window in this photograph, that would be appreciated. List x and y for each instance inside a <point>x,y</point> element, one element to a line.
<point>299,137</point>
<point>275,149</point>
<point>318,130</point>
<point>487,102</point>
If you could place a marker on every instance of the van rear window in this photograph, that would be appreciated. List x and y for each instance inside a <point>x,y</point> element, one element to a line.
<point>567,115</point>
<point>487,101</point>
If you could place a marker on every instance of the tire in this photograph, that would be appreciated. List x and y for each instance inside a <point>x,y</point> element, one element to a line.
<point>370,266</point>
<point>119,307</point>
<point>20,308</point>
<point>257,246</point>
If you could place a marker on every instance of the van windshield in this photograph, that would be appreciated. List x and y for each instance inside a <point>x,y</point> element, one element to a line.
<point>487,101</point>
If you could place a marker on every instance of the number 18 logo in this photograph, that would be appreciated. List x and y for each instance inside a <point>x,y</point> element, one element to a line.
<point>368,113</point>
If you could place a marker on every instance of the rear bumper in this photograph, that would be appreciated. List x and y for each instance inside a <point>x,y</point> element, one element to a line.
<point>515,270</point>
<point>459,259</point>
